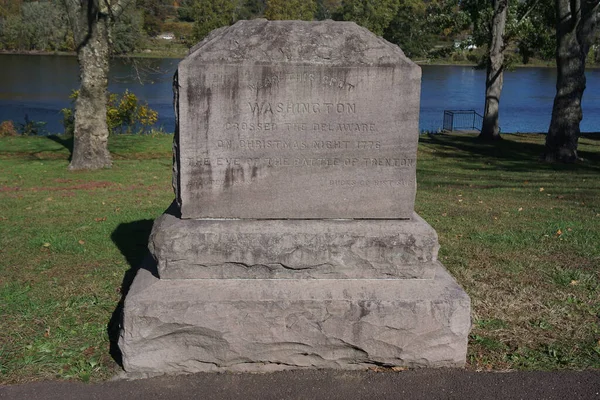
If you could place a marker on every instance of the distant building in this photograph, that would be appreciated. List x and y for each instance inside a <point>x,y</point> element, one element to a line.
<point>166,36</point>
<point>466,44</point>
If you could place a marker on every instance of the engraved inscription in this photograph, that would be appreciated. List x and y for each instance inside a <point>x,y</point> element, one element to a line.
<point>304,161</point>
<point>363,182</point>
<point>301,108</point>
<point>263,144</point>
<point>304,78</point>
<point>302,126</point>
<point>251,126</point>
<point>345,127</point>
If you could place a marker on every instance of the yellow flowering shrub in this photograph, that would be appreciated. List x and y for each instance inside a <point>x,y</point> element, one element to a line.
<point>124,114</point>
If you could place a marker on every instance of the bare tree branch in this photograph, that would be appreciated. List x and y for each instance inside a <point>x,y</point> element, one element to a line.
<point>74,15</point>
<point>528,12</point>
<point>115,10</point>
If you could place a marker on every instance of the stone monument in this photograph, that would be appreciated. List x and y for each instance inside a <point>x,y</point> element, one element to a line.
<point>293,241</point>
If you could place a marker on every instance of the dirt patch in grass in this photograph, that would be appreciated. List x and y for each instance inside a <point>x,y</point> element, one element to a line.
<point>82,186</point>
<point>141,156</point>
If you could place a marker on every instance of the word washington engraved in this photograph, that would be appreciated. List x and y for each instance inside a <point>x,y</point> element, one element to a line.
<point>302,108</point>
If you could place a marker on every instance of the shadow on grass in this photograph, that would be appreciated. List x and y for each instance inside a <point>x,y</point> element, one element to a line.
<point>132,240</point>
<point>66,142</point>
<point>517,156</point>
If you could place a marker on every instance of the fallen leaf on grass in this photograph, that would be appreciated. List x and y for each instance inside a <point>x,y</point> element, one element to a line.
<point>46,244</point>
<point>574,283</point>
<point>81,242</point>
<point>541,189</point>
<point>100,219</point>
<point>520,209</point>
<point>89,351</point>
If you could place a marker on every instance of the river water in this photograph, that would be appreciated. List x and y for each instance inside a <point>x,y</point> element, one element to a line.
<point>39,86</point>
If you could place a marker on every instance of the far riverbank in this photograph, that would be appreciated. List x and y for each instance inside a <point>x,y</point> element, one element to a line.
<point>179,51</point>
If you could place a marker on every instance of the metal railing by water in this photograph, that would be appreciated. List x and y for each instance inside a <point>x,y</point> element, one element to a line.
<point>462,120</point>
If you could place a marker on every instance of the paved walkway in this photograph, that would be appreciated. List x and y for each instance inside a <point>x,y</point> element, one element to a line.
<point>413,385</point>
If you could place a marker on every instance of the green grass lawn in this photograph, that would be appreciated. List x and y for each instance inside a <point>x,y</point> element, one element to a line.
<point>522,238</point>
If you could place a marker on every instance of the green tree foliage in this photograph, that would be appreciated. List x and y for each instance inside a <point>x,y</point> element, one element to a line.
<point>594,55</point>
<point>410,29</point>
<point>374,15</point>
<point>211,14</point>
<point>291,9</point>
<point>127,33</point>
<point>10,32</point>
<point>530,28</point>
<point>446,19</point>
<point>43,26</point>
<point>535,30</point>
<point>474,9</point>
<point>328,9</point>
<point>10,7</point>
<point>248,9</point>
<point>185,11</point>
<point>154,13</point>
<point>40,26</point>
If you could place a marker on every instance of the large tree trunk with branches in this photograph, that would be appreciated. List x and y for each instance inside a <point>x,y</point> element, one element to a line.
<point>495,72</point>
<point>576,22</point>
<point>91,21</point>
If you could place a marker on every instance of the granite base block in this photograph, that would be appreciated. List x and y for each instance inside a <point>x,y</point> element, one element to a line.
<point>293,249</point>
<point>188,326</point>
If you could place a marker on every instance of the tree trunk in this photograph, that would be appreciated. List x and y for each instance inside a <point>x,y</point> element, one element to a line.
<point>495,73</point>
<point>574,31</point>
<point>90,146</point>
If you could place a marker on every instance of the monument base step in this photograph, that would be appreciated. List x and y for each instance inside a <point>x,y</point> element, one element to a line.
<point>293,249</point>
<point>253,325</point>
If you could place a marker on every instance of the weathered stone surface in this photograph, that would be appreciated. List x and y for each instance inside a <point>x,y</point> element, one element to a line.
<point>186,326</point>
<point>293,119</point>
<point>293,249</point>
<point>293,242</point>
